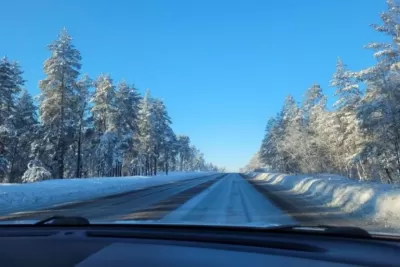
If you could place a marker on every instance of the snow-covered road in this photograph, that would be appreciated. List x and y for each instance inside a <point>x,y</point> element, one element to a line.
<point>226,199</point>
<point>42,195</point>
<point>114,207</point>
<point>232,200</point>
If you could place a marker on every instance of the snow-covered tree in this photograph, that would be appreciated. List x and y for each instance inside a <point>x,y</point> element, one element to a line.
<point>269,151</point>
<point>347,88</point>
<point>184,151</point>
<point>287,120</point>
<point>107,126</point>
<point>11,83</point>
<point>147,133</point>
<point>4,162</point>
<point>255,163</point>
<point>348,138</point>
<point>170,150</point>
<point>127,99</point>
<point>83,118</point>
<point>379,110</point>
<point>35,172</point>
<point>162,131</point>
<point>57,99</point>
<point>75,132</point>
<point>312,99</point>
<point>103,101</point>
<point>24,123</point>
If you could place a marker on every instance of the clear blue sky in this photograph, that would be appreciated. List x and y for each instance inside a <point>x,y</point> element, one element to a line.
<point>222,66</point>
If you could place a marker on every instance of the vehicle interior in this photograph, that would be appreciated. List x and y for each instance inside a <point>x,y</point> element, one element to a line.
<point>75,242</point>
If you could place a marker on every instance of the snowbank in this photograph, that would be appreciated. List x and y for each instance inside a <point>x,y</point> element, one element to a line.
<point>370,200</point>
<point>39,195</point>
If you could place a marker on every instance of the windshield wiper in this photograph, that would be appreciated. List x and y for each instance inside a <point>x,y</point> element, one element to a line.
<point>342,231</point>
<point>64,220</point>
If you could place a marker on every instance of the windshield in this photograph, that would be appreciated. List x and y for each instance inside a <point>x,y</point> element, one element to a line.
<point>240,113</point>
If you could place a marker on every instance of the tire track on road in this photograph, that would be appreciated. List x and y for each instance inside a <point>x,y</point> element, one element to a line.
<point>161,209</point>
<point>89,208</point>
<point>245,208</point>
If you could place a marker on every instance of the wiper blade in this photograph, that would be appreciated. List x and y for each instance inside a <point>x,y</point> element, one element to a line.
<point>64,220</point>
<point>343,231</point>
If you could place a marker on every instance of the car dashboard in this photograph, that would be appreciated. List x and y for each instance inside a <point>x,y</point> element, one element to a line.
<point>108,245</point>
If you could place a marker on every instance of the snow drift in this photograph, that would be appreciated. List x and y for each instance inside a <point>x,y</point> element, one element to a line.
<point>40,195</point>
<point>370,200</point>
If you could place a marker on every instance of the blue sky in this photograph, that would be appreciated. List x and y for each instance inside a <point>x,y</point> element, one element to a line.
<point>223,67</point>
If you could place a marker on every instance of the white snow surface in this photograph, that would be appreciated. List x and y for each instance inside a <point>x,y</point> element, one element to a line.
<point>373,201</point>
<point>39,195</point>
<point>230,201</point>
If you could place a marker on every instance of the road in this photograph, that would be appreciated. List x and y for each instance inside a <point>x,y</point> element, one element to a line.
<point>216,199</point>
<point>227,199</point>
<point>230,201</point>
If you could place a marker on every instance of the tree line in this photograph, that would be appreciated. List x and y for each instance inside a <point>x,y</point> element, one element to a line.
<point>360,136</point>
<point>84,127</point>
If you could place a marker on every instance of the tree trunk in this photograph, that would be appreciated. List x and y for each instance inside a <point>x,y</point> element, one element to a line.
<point>60,141</point>
<point>360,176</point>
<point>390,179</point>
<point>166,162</point>
<point>11,174</point>
<point>146,171</point>
<point>155,165</point>
<point>392,103</point>
<point>78,160</point>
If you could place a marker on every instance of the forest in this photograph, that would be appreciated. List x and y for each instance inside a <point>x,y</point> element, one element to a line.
<point>81,127</point>
<point>359,137</point>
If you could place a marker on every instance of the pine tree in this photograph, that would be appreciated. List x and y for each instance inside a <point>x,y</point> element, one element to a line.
<point>161,130</point>
<point>387,54</point>
<point>25,123</point>
<point>184,151</point>
<point>83,97</point>
<point>269,151</point>
<point>75,133</point>
<point>347,148</point>
<point>347,89</point>
<point>57,100</point>
<point>288,118</point>
<point>11,83</point>
<point>104,108</point>
<point>379,111</point>
<point>104,111</point>
<point>147,137</point>
<point>313,97</point>
<point>128,100</point>
<point>170,149</point>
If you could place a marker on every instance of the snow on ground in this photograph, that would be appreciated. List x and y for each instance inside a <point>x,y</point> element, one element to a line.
<point>230,201</point>
<point>39,195</point>
<point>366,200</point>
